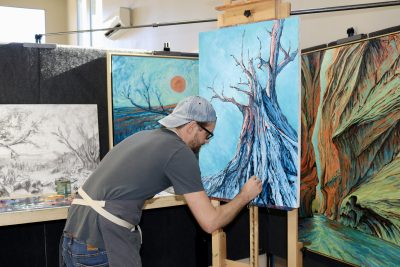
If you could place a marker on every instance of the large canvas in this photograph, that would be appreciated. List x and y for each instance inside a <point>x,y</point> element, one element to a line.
<point>350,175</point>
<point>146,88</point>
<point>251,74</point>
<point>40,144</point>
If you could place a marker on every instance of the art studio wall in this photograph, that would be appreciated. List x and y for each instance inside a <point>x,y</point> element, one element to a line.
<point>61,16</point>
<point>313,28</point>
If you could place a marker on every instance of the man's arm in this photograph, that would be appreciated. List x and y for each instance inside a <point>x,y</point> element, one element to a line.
<point>213,218</point>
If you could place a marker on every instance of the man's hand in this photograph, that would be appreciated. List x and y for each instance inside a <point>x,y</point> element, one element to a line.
<point>212,218</point>
<point>251,189</point>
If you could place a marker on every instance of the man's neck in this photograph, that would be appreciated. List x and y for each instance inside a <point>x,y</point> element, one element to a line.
<point>176,131</point>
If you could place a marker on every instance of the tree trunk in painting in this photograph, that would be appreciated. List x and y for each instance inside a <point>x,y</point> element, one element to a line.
<point>357,136</point>
<point>268,145</point>
<point>310,95</point>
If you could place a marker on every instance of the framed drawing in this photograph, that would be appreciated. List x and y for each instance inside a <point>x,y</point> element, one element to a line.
<point>350,175</point>
<point>143,88</point>
<point>251,74</point>
<point>46,152</point>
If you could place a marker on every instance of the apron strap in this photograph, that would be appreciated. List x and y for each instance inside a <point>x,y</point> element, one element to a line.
<point>98,207</point>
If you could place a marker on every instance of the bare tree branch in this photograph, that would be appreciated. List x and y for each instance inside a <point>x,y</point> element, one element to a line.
<point>245,70</point>
<point>268,31</point>
<point>158,95</point>
<point>9,148</point>
<point>23,138</point>
<point>287,59</point>
<point>263,62</point>
<point>64,140</point>
<point>223,98</point>
<point>241,90</point>
<point>145,93</point>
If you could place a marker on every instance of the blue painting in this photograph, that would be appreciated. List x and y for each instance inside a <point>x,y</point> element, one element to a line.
<point>251,75</point>
<point>145,88</point>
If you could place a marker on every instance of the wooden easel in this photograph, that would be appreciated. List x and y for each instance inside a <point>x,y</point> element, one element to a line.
<point>294,258</point>
<point>219,243</point>
<point>235,13</point>
<point>247,11</point>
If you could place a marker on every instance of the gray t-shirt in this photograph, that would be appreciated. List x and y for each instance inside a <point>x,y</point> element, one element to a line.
<point>139,167</point>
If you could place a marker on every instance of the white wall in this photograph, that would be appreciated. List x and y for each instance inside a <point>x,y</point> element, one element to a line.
<point>181,37</point>
<point>56,13</point>
<point>323,28</point>
<point>72,21</point>
<point>315,29</point>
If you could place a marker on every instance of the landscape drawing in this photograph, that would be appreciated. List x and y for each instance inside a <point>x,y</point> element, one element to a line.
<point>40,144</point>
<point>350,161</point>
<point>251,75</point>
<point>146,88</point>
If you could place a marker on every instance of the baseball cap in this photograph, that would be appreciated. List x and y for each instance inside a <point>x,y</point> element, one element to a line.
<point>192,108</point>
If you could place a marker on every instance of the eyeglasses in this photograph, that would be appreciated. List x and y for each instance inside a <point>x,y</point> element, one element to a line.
<point>209,134</point>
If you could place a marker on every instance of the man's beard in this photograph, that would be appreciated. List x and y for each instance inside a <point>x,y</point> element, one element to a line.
<point>194,145</point>
<point>196,149</point>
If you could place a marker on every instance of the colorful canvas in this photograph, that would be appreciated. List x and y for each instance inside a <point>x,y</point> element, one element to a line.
<point>146,88</point>
<point>34,203</point>
<point>40,144</point>
<point>350,162</point>
<point>251,75</point>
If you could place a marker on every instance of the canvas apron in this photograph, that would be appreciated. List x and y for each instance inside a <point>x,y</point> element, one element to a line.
<point>118,255</point>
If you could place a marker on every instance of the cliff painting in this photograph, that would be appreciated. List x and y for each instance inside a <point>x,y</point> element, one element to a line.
<point>146,88</point>
<point>251,75</point>
<point>350,160</point>
<point>40,144</point>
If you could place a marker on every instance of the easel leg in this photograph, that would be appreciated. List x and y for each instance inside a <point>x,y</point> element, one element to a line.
<point>293,234</point>
<point>254,240</point>
<point>218,245</point>
<point>218,248</point>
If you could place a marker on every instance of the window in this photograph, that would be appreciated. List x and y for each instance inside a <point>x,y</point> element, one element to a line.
<point>21,24</point>
<point>89,14</point>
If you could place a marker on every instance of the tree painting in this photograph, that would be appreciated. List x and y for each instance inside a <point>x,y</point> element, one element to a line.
<point>42,143</point>
<point>251,75</point>
<point>350,175</point>
<point>146,88</point>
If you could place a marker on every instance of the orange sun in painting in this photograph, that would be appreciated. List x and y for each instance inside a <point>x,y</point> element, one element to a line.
<point>178,84</point>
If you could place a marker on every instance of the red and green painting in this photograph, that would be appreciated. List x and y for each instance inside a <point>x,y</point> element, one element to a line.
<point>350,160</point>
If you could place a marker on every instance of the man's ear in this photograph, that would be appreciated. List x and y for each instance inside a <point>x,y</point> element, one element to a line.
<point>191,126</point>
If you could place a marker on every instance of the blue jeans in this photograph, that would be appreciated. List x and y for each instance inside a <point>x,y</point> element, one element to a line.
<point>76,253</point>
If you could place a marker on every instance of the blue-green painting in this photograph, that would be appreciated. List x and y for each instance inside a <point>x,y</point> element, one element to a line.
<point>350,156</point>
<point>146,88</point>
<point>251,75</point>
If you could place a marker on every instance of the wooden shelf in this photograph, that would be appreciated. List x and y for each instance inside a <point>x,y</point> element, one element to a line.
<point>60,213</point>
